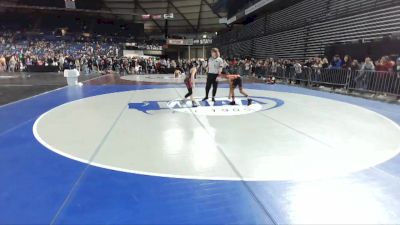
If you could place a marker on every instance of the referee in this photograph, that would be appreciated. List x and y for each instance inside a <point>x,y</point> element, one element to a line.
<point>214,69</point>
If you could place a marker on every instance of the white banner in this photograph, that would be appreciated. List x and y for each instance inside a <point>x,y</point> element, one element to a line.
<point>203,42</point>
<point>223,20</point>
<point>133,53</point>
<point>168,16</point>
<point>231,20</point>
<point>257,6</point>
<point>180,41</point>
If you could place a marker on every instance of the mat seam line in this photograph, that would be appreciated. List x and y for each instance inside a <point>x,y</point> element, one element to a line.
<point>235,170</point>
<point>88,165</point>
<point>296,130</point>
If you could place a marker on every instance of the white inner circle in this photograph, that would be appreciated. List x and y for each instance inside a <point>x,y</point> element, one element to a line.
<point>307,138</point>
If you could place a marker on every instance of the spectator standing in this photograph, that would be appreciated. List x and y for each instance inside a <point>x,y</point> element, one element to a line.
<point>3,65</point>
<point>325,63</point>
<point>385,64</point>
<point>398,67</point>
<point>368,65</point>
<point>337,63</point>
<point>77,64</point>
<point>397,71</point>
<point>298,71</point>
<point>316,69</point>
<point>355,65</point>
<point>61,62</point>
<point>12,63</point>
<point>385,68</point>
<point>347,62</point>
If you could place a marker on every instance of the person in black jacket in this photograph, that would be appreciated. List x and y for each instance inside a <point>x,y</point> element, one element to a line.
<point>347,62</point>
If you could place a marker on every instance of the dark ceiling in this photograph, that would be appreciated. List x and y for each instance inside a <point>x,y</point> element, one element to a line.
<point>190,16</point>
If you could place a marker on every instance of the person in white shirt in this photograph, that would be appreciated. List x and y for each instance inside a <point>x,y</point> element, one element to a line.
<point>11,64</point>
<point>214,69</point>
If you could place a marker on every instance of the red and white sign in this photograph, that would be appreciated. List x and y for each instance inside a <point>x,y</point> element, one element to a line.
<point>146,16</point>
<point>180,41</point>
<point>157,17</point>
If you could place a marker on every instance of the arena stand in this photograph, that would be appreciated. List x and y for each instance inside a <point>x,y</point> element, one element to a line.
<point>305,29</point>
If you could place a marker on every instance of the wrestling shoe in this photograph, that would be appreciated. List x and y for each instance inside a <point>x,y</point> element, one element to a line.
<point>194,105</point>
<point>249,101</point>
<point>204,99</point>
<point>213,99</point>
<point>232,103</point>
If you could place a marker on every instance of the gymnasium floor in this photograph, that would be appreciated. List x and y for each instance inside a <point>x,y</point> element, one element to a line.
<point>17,86</point>
<point>128,151</point>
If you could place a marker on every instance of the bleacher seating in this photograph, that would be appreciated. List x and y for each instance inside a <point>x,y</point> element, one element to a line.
<point>297,15</point>
<point>279,44</point>
<point>306,28</point>
<point>367,26</point>
<point>253,29</point>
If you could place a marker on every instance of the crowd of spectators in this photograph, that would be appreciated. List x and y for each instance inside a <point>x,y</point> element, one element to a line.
<point>382,75</point>
<point>254,67</point>
<point>152,65</point>
<point>88,55</point>
<point>16,55</point>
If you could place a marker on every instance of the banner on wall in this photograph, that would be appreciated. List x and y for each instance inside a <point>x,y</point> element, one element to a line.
<point>133,53</point>
<point>180,41</point>
<point>202,41</point>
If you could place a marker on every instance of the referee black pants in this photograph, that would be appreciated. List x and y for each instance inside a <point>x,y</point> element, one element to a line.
<point>211,81</point>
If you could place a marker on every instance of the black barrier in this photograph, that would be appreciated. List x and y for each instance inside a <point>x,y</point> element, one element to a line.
<point>42,69</point>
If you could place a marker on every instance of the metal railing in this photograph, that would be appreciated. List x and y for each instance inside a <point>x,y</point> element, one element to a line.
<point>377,82</point>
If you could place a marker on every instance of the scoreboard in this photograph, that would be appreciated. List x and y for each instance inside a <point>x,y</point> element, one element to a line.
<point>70,4</point>
<point>167,16</point>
